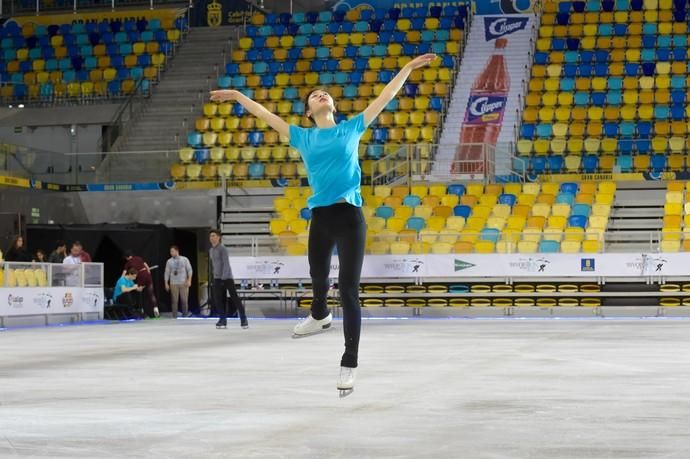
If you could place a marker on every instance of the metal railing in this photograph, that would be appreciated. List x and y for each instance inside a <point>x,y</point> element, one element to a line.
<point>25,274</point>
<point>85,167</point>
<point>414,162</point>
<point>120,124</point>
<point>457,242</point>
<point>15,7</point>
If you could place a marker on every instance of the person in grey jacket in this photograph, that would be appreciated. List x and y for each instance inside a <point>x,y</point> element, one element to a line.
<point>223,282</point>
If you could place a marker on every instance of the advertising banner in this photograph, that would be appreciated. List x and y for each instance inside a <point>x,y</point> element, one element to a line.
<point>479,6</point>
<point>477,265</point>
<point>50,300</point>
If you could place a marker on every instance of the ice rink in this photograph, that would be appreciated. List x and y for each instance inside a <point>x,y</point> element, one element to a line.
<point>459,388</point>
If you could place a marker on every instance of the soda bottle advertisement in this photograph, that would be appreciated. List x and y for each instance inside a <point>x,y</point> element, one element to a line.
<point>484,113</point>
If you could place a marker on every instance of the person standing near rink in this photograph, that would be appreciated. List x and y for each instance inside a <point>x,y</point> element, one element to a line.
<point>178,279</point>
<point>223,282</point>
<point>330,153</point>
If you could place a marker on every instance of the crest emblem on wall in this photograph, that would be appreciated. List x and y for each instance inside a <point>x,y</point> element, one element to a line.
<point>214,14</point>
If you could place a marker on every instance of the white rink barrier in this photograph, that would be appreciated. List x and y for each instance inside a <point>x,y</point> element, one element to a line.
<point>47,290</point>
<point>34,301</point>
<point>546,265</point>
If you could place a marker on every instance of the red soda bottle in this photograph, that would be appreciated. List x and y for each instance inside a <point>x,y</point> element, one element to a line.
<point>484,113</point>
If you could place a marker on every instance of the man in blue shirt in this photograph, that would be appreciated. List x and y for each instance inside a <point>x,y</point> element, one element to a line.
<point>126,291</point>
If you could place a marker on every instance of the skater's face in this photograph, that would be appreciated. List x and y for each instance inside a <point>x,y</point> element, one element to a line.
<point>214,238</point>
<point>318,102</point>
<point>174,252</point>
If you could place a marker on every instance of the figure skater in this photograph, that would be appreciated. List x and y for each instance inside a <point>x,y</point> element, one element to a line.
<point>330,153</point>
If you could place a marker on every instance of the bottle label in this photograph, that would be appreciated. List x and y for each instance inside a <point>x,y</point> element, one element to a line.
<point>483,109</point>
<point>500,26</point>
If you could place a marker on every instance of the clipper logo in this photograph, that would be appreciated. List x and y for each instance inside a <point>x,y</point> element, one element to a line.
<point>92,299</point>
<point>15,301</point>
<point>648,264</point>
<point>530,265</point>
<point>404,265</point>
<point>68,300</point>
<point>587,265</point>
<point>266,268</point>
<point>44,300</point>
<point>500,26</point>
<point>485,109</point>
<point>460,265</point>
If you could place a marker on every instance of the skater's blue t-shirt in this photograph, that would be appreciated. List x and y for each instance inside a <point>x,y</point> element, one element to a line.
<point>122,282</point>
<point>331,159</point>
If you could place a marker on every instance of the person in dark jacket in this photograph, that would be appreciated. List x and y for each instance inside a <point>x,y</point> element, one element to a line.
<point>17,251</point>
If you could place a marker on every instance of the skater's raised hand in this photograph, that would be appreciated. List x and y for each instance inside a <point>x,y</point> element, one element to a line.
<point>256,109</point>
<point>222,95</point>
<point>392,88</point>
<point>421,61</point>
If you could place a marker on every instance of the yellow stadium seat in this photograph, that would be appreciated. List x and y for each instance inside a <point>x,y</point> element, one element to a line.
<point>505,247</point>
<point>482,246</point>
<point>561,209</point>
<point>193,171</point>
<point>670,245</point>
<point>574,234</point>
<point>570,246</point>
<point>177,171</point>
<point>673,208</point>
<point>455,223</point>
<point>526,246</point>
<point>602,210</point>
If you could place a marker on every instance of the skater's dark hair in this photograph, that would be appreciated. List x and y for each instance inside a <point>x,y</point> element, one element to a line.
<point>306,101</point>
<point>175,247</point>
<point>132,272</point>
<point>216,232</point>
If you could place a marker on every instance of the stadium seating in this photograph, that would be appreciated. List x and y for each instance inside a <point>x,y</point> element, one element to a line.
<point>675,231</point>
<point>608,90</point>
<point>83,60</point>
<point>509,218</point>
<point>353,55</point>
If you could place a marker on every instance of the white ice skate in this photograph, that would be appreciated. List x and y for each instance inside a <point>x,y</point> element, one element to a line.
<point>310,326</point>
<point>346,381</point>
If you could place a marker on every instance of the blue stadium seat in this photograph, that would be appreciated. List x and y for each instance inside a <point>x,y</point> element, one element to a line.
<point>256,170</point>
<point>456,189</point>
<point>555,164</point>
<point>549,246</point>
<point>384,212</point>
<point>658,162</point>
<point>590,164</point>
<point>412,200</point>
<point>509,199</point>
<point>579,221</point>
<point>490,234</point>
<point>581,209</point>
<point>462,211</point>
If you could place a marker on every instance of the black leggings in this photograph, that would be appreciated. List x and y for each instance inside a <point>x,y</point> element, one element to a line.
<point>341,225</point>
<point>220,299</point>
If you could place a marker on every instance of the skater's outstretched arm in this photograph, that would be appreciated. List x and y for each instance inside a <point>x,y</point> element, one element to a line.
<point>254,108</point>
<point>392,88</point>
